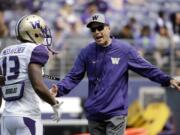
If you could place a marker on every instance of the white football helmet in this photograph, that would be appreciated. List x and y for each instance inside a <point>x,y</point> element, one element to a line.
<point>32,28</point>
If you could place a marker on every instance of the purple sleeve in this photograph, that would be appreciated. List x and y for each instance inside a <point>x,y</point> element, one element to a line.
<point>39,55</point>
<point>73,78</point>
<point>141,66</point>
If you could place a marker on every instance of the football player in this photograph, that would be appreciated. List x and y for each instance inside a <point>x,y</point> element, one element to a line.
<point>21,77</point>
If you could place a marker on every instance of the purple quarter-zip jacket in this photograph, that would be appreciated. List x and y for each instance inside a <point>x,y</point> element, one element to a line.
<point>107,71</point>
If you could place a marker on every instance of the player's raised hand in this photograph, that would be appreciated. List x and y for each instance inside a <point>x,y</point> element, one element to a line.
<point>54,90</point>
<point>175,84</point>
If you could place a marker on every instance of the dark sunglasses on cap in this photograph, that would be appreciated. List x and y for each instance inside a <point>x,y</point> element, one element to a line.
<point>99,28</point>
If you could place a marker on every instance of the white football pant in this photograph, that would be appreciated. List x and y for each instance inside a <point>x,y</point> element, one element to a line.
<point>12,125</point>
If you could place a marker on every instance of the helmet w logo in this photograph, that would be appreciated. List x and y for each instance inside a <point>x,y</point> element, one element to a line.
<point>36,24</point>
<point>95,17</point>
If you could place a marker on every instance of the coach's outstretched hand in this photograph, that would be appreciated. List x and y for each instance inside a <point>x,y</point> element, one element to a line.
<point>175,84</point>
<point>54,90</point>
<point>57,111</point>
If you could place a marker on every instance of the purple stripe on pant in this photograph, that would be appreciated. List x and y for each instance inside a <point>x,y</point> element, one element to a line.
<point>30,124</point>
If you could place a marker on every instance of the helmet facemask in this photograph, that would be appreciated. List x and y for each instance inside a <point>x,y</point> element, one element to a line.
<point>48,40</point>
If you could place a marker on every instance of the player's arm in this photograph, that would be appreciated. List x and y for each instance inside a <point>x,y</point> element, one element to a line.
<point>2,78</point>
<point>35,76</point>
<point>0,99</point>
<point>2,81</point>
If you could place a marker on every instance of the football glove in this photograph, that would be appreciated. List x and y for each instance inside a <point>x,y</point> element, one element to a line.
<point>57,111</point>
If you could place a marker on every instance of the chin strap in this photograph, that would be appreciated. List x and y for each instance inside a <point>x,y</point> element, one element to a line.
<point>52,51</point>
<point>51,77</point>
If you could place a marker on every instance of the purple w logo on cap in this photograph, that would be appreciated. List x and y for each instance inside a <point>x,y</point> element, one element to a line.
<point>98,18</point>
<point>95,17</point>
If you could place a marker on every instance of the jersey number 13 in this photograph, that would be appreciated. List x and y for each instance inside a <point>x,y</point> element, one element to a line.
<point>11,67</point>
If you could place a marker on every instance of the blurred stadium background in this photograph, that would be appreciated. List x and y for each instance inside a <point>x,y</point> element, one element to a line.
<point>151,26</point>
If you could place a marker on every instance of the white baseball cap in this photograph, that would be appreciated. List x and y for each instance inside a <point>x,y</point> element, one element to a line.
<point>99,18</point>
